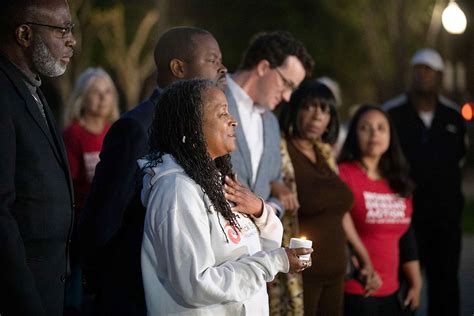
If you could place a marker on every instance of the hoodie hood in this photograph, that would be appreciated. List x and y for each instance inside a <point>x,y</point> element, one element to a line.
<point>151,175</point>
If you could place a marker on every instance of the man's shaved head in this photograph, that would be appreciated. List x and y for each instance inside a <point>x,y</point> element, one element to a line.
<point>176,43</point>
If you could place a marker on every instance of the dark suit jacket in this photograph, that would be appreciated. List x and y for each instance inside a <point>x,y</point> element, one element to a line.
<point>36,203</point>
<point>111,228</point>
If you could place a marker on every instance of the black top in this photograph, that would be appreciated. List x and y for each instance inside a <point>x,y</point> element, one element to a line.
<point>408,248</point>
<point>434,155</point>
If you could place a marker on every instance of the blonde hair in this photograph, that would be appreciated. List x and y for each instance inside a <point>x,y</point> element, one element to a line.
<point>75,105</point>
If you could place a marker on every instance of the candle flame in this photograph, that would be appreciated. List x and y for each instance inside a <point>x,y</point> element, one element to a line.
<point>303,237</point>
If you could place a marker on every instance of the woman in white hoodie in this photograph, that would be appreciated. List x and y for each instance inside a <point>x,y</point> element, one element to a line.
<point>200,255</point>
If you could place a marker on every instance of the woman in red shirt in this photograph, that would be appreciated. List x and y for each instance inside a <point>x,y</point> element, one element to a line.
<point>92,108</point>
<point>372,165</point>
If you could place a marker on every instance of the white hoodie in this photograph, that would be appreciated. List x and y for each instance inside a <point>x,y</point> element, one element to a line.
<point>189,265</point>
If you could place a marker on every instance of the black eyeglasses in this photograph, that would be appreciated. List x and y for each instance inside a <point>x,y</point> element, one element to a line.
<point>287,83</point>
<point>64,31</point>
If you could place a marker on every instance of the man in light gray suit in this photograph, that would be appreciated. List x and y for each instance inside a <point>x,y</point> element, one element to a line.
<point>272,67</point>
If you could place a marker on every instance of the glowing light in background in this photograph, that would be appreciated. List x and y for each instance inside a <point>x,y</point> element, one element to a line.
<point>466,111</point>
<point>454,20</point>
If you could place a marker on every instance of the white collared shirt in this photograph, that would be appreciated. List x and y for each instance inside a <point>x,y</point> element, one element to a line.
<point>251,123</point>
<point>426,117</point>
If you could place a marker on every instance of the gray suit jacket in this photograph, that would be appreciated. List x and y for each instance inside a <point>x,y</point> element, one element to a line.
<point>269,168</point>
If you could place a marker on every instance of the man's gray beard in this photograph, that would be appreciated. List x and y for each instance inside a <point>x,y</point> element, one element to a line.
<point>44,60</point>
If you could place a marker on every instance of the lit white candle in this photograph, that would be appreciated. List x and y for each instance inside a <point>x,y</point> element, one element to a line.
<point>301,243</point>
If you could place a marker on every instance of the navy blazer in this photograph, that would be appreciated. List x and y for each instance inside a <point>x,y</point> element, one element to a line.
<point>269,168</point>
<point>111,228</point>
<point>36,202</point>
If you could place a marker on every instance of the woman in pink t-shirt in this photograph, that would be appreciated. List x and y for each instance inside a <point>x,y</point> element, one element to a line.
<point>372,164</point>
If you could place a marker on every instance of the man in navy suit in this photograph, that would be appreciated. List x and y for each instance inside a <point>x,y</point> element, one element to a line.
<point>272,67</point>
<point>36,199</point>
<point>112,225</point>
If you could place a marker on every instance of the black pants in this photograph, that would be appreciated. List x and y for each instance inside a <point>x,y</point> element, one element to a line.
<point>358,305</point>
<point>439,247</point>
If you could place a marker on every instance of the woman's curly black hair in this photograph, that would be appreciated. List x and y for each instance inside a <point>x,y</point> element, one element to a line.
<point>309,93</point>
<point>392,165</point>
<point>177,130</point>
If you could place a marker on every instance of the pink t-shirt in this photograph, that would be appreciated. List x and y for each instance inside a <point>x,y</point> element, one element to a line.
<point>381,217</point>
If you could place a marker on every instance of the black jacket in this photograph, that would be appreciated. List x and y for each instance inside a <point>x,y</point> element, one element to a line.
<point>434,155</point>
<point>111,228</point>
<point>36,202</point>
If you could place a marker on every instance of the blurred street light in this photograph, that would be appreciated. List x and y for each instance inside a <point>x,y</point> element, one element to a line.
<point>467,110</point>
<point>454,20</point>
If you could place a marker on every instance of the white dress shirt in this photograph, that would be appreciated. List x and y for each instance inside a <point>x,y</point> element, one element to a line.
<point>251,123</point>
